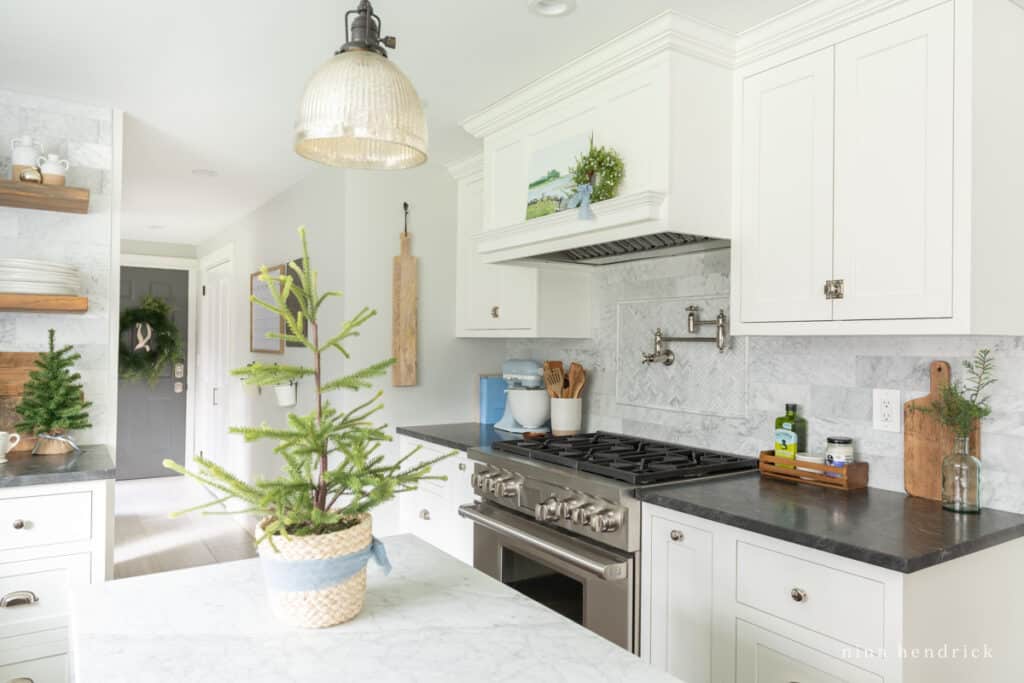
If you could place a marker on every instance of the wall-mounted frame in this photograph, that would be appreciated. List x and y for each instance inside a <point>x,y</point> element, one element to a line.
<point>262,321</point>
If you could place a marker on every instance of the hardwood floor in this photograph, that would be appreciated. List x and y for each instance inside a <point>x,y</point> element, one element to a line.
<point>147,541</point>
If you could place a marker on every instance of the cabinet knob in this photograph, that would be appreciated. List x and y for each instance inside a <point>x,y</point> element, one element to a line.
<point>462,467</point>
<point>495,312</point>
<point>19,524</point>
<point>676,535</point>
<point>798,595</point>
<point>425,515</point>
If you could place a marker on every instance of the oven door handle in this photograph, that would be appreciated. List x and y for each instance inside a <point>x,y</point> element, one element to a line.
<point>609,571</point>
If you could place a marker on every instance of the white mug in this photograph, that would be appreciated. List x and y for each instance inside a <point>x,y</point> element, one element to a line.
<point>52,164</point>
<point>8,440</point>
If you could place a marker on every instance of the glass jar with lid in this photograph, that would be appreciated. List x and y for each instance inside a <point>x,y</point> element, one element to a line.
<point>838,452</point>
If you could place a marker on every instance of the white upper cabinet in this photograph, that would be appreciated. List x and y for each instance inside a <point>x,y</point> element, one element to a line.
<point>786,191</point>
<point>876,166</point>
<point>506,301</point>
<point>894,170</point>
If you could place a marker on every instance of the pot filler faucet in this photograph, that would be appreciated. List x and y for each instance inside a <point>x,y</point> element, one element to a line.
<point>667,357</point>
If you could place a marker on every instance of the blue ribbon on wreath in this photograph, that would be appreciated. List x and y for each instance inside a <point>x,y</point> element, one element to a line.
<point>582,200</point>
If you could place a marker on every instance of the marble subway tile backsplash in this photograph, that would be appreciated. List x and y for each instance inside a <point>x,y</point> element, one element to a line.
<point>81,133</point>
<point>729,401</point>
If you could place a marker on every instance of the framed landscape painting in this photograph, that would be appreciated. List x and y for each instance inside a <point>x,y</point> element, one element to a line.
<point>550,184</point>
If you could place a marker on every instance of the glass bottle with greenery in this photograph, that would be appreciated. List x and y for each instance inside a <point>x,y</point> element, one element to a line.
<point>961,404</point>
<point>332,470</point>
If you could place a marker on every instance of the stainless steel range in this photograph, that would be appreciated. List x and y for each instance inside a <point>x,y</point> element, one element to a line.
<point>559,519</point>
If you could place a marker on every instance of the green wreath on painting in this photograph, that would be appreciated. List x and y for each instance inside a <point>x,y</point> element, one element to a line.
<point>602,168</point>
<point>150,341</point>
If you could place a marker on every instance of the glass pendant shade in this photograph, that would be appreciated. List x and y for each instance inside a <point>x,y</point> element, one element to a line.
<point>360,111</point>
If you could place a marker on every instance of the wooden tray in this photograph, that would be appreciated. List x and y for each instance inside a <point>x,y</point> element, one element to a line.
<point>853,476</point>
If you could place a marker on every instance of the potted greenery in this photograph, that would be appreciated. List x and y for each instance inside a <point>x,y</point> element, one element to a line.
<point>960,406</point>
<point>52,404</point>
<point>315,534</point>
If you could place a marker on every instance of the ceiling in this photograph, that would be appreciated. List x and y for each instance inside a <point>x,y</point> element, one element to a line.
<point>214,84</point>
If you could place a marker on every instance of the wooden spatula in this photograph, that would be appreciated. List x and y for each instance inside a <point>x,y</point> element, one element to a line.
<point>553,378</point>
<point>577,378</point>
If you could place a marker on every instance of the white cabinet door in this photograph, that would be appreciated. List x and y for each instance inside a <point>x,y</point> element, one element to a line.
<point>766,657</point>
<point>492,297</point>
<point>894,170</point>
<point>677,602</point>
<point>786,191</point>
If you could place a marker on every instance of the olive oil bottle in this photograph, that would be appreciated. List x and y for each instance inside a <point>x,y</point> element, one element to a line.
<point>790,434</point>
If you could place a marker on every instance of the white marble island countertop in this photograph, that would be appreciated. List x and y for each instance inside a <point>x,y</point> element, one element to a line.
<point>432,619</point>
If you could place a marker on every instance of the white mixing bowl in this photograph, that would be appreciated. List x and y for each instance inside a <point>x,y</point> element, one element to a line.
<point>531,408</point>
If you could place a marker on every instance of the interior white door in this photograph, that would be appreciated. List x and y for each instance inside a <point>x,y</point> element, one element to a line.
<point>679,601</point>
<point>894,170</point>
<point>214,348</point>
<point>786,191</point>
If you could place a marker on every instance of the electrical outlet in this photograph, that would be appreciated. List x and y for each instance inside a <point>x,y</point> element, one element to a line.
<point>888,411</point>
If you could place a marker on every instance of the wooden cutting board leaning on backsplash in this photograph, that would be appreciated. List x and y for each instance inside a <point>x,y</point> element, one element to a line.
<point>15,367</point>
<point>926,441</point>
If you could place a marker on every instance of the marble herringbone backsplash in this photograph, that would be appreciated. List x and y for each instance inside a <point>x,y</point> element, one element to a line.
<point>729,401</point>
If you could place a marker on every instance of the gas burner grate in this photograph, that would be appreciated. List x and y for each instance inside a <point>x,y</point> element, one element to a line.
<point>629,459</point>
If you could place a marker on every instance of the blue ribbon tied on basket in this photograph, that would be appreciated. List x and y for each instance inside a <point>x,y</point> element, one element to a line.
<point>582,200</point>
<point>289,576</point>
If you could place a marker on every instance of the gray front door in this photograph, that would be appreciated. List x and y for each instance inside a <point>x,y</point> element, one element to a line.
<point>151,421</point>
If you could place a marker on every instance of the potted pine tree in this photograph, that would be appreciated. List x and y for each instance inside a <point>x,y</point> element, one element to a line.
<point>315,534</point>
<point>52,404</point>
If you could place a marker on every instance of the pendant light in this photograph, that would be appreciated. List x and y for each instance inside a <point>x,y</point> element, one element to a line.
<point>359,110</point>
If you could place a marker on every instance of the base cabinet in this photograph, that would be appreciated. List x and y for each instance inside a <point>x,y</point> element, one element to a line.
<point>431,511</point>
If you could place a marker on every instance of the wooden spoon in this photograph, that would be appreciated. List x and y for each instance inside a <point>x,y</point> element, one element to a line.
<point>577,378</point>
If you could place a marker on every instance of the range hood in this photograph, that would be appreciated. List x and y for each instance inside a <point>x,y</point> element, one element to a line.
<point>634,249</point>
<point>661,97</point>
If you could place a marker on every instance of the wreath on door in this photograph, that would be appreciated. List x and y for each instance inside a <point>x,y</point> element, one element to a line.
<point>150,341</point>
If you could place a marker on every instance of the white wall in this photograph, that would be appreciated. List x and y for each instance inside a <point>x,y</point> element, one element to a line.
<point>168,249</point>
<point>353,222</point>
<point>88,137</point>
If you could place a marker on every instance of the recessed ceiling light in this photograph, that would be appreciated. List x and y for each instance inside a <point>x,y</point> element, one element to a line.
<point>205,172</point>
<point>551,8</point>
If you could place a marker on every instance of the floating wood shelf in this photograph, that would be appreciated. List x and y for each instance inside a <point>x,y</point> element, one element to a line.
<point>44,303</point>
<point>22,195</point>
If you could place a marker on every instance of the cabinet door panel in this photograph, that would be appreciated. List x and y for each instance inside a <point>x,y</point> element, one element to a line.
<point>679,603</point>
<point>766,657</point>
<point>894,169</point>
<point>786,191</point>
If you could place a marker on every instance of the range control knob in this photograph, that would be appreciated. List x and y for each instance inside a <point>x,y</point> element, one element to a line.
<point>507,489</point>
<point>582,514</point>
<point>566,507</point>
<point>606,521</point>
<point>546,511</point>
<point>494,484</point>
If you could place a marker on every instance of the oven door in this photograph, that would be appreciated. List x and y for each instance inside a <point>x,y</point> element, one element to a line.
<point>587,583</point>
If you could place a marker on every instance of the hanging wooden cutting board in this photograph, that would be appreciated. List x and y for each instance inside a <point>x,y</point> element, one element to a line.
<point>15,367</point>
<point>926,441</point>
<point>404,302</point>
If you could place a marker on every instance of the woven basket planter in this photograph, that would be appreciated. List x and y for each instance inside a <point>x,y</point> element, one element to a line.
<point>46,446</point>
<point>325,606</point>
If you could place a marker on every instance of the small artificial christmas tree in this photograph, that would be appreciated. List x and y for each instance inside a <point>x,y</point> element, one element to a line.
<point>52,403</point>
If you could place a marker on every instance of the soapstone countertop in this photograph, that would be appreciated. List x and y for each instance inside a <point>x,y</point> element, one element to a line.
<point>25,469</point>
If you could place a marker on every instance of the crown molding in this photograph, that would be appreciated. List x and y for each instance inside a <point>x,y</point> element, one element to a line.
<point>666,32</point>
<point>802,23</point>
<point>466,169</point>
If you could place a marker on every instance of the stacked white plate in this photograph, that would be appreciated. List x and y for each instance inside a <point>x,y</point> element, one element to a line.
<point>29,276</point>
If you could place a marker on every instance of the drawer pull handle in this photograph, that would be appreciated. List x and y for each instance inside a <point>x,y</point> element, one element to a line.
<point>676,535</point>
<point>19,524</point>
<point>21,679</point>
<point>798,595</point>
<point>425,515</point>
<point>15,598</point>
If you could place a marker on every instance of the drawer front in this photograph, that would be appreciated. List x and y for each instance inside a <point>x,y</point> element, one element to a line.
<point>35,645</point>
<point>44,583</point>
<point>44,670</point>
<point>835,603</point>
<point>44,520</point>
<point>766,657</point>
